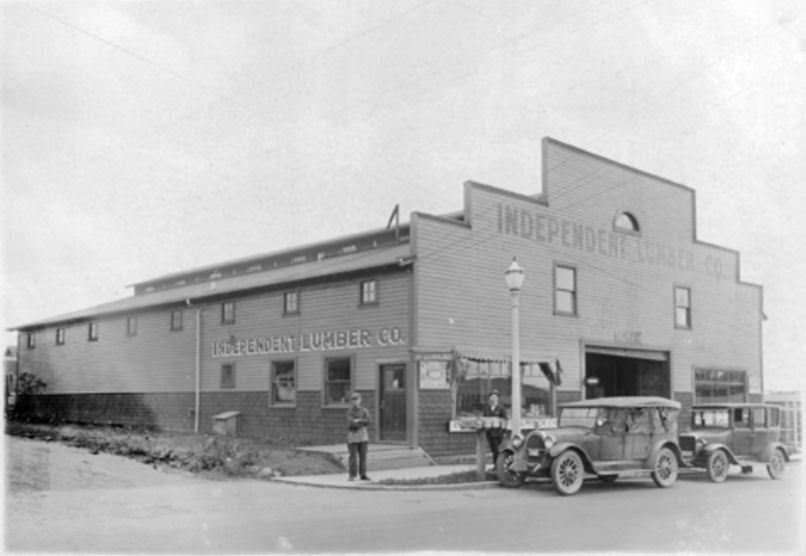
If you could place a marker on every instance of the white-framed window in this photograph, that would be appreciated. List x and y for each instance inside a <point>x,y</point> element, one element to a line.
<point>565,290</point>
<point>368,292</point>
<point>283,380</point>
<point>92,332</point>
<point>30,340</point>
<point>59,336</point>
<point>291,303</point>
<point>228,312</point>
<point>338,380</point>
<point>228,375</point>
<point>682,307</point>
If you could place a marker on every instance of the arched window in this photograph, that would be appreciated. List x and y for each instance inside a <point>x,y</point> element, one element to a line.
<point>626,222</point>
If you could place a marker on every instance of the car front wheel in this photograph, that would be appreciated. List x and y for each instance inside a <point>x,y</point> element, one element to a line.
<point>717,466</point>
<point>665,471</point>
<point>567,472</point>
<point>776,465</point>
<point>503,468</point>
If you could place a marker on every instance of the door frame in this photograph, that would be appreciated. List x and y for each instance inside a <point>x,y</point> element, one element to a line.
<point>381,363</point>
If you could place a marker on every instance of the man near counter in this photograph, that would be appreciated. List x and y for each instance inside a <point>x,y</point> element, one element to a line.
<point>495,434</point>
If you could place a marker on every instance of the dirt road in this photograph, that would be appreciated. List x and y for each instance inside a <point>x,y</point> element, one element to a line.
<point>62,499</point>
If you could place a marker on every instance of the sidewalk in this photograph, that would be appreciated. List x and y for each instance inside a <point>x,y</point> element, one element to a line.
<point>431,472</point>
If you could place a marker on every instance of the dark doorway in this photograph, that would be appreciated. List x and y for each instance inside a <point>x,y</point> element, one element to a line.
<point>392,402</point>
<point>620,375</point>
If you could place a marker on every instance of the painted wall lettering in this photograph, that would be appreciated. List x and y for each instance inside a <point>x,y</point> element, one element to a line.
<point>545,228</point>
<point>328,340</point>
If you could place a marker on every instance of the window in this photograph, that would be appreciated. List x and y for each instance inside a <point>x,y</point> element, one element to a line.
<point>773,417</point>
<point>715,385</point>
<point>283,383</point>
<point>176,320</point>
<point>228,312</point>
<point>92,332</point>
<point>565,290</point>
<point>228,375</point>
<point>131,326</point>
<point>337,380</point>
<point>30,340</point>
<point>682,307</point>
<point>741,417</point>
<point>759,418</point>
<point>60,336</point>
<point>626,222</point>
<point>369,292</point>
<point>291,303</point>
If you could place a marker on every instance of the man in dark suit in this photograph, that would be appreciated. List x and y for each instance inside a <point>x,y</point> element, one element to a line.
<point>495,434</point>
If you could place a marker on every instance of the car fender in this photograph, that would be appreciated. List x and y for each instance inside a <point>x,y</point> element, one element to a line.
<point>709,449</point>
<point>666,444</point>
<point>559,448</point>
<point>766,454</point>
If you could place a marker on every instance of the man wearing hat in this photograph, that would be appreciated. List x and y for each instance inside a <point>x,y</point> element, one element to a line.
<point>357,437</point>
<point>495,434</point>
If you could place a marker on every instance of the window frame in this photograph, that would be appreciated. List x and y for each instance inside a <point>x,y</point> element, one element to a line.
<point>131,326</point>
<point>574,293</point>
<point>733,377</point>
<point>30,340</point>
<point>174,325</point>
<point>273,382</point>
<point>363,300</point>
<point>227,386</point>
<point>326,402</point>
<point>61,335</point>
<point>688,308</point>
<point>635,226</point>
<point>92,331</point>
<point>227,319</point>
<point>291,294</point>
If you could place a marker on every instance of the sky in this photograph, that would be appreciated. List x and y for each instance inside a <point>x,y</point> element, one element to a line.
<point>144,138</point>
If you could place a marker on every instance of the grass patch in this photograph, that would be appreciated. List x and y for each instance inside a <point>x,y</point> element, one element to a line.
<point>210,455</point>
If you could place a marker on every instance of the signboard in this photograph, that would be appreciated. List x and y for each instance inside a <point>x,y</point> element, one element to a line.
<point>473,424</point>
<point>434,375</point>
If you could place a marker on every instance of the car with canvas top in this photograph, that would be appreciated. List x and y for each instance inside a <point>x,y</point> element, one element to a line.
<point>605,438</point>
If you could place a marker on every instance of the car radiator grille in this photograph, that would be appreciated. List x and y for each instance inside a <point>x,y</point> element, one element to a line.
<point>687,443</point>
<point>535,443</point>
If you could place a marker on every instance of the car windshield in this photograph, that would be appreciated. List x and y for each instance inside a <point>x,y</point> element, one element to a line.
<point>580,416</point>
<point>710,418</point>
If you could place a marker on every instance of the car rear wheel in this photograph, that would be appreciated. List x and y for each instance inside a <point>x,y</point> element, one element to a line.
<point>665,471</point>
<point>503,468</point>
<point>567,472</point>
<point>718,466</point>
<point>777,464</point>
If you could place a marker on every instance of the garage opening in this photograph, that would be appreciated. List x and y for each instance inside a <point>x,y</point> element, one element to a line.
<point>626,372</point>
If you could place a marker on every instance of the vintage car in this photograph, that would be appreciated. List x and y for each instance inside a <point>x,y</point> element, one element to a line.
<point>725,434</point>
<point>606,438</point>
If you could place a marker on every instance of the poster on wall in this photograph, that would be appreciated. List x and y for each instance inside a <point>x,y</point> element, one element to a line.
<point>434,375</point>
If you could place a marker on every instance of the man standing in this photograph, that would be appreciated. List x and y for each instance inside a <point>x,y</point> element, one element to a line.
<point>495,434</point>
<point>357,437</point>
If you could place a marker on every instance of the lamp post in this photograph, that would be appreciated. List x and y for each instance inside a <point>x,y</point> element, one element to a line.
<point>514,277</point>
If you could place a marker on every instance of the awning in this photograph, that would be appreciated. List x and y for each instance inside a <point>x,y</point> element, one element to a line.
<point>473,362</point>
<point>652,355</point>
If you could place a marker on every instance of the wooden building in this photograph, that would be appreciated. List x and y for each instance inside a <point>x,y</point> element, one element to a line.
<point>620,298</point>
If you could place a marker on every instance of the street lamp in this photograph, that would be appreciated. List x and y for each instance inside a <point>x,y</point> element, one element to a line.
<point>514,277</point>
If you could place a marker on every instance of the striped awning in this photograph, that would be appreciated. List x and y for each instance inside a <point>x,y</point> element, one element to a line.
<point>475,363</point>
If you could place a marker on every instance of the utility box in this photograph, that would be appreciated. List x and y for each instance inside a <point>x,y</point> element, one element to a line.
<point>226,423</point>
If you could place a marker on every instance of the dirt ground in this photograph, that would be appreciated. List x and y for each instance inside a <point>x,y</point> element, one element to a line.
<point>207,455</point>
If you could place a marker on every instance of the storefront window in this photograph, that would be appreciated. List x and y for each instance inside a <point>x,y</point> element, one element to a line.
<point>472,396</point>
<point>283,383</point>
<point>714,385</point>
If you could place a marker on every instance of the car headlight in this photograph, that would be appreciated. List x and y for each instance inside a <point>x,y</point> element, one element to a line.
<point>549,441</point>
<point>701,442</point>
<point>517,441</point>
